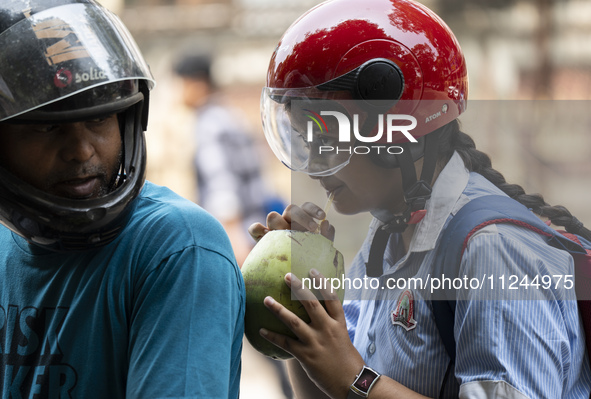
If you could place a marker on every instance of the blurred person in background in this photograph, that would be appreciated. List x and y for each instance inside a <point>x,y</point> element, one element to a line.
<point>110,286</point>
<point>230,182</point>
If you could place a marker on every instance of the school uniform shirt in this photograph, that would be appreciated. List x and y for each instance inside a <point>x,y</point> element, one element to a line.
<point>511,343</point>
<point>156,313</point>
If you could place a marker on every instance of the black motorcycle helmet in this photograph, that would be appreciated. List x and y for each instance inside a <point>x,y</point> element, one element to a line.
<point>67,61</point>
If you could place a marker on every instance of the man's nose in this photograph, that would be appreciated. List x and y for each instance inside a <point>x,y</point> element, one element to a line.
<point>78,143</point>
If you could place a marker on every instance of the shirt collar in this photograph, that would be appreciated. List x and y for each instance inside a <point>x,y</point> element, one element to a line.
<point>447,191</point>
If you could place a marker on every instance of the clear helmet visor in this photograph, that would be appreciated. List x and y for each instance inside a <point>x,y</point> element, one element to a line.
<point>317,132</point>
<point>64,51</point>
<point>300,131</point>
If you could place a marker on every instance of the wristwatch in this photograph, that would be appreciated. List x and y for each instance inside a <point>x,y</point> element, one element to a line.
<point>363,383</point>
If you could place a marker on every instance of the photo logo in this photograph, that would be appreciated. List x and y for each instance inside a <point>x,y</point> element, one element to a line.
<point>387,126</point>
<point>345,126</point>
<point>317,119</point>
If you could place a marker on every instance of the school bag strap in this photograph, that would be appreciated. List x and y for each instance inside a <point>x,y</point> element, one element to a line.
<point>494,209</point>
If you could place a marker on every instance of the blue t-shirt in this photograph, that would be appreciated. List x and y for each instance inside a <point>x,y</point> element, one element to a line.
<point>156,313</point>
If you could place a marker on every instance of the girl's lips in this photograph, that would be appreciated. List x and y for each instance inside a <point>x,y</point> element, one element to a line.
<point>78,188</point>
<point>335,191</point>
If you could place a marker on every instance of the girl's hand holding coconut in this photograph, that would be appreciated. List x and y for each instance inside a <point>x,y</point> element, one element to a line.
<point>322,346</point>
<point>308,217</point>
<point>284,319</point>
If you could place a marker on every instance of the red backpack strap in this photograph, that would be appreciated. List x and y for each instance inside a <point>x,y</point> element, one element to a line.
<point>575,238</point>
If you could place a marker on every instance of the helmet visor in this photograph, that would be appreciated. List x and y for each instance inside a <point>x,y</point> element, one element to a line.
<point>317,132</point>
<point>62,51</point>
<point>300,137</point>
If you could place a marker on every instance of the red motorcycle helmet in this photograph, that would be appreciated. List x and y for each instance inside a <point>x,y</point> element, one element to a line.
<point>375,52</point>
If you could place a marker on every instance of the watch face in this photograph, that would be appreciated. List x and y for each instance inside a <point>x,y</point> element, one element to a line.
<point>365,379</point>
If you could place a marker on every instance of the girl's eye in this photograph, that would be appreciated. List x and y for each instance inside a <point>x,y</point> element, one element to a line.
<point>326,140</point>
<point>301,141</point>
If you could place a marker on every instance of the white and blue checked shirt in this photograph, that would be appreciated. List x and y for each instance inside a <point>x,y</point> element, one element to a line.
<point>228,165</point>
<point>506,348</point>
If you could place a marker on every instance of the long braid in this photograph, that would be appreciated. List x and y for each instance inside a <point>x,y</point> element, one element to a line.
<point>453,139</point>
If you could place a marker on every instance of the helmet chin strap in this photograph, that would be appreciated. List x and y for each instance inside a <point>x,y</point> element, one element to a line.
<point>416,194</point>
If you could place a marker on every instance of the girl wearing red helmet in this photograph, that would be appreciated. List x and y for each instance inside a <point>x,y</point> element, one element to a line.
<point>365,99</point>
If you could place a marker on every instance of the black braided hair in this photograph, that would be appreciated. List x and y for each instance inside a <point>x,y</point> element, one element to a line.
<point>453,139</point>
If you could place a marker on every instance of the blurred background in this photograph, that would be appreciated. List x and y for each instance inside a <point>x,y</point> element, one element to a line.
<point>517,51</point>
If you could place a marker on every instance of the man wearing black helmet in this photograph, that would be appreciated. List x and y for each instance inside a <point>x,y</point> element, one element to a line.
<point>107,282</point>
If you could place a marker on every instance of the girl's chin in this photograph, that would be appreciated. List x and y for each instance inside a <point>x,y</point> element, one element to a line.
<point>346,209</point>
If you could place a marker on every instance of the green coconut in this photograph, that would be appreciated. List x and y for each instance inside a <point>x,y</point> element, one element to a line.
<point>280,252</point>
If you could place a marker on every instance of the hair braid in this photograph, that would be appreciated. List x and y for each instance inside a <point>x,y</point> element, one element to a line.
<point>453,139</point>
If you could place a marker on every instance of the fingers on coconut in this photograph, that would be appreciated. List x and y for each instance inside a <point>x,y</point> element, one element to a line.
<point>298,289</point>
<point>329,293</point>
<point>314,210</point>
<point>293,322</point>
<point>303,218</point>
<point>282,341</point>
<point>257,231</point>
<point>310,302</point>
<point>275,221</point>
<point>327,230</point>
